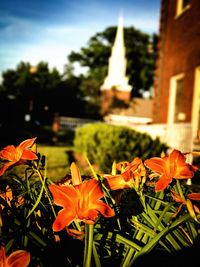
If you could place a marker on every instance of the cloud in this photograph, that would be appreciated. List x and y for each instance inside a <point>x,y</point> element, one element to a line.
<point>24,40</point>
<point>148,25</point>
<point>13,28</point>
<point>75,36</point>
<point>51,40</point>
<point>54,54</point>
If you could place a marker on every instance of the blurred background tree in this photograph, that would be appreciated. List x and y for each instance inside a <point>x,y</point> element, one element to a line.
<point>140,53</point>
<point>31,95</point>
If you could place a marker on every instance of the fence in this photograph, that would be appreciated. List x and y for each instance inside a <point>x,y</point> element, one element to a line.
<point>71,123</point>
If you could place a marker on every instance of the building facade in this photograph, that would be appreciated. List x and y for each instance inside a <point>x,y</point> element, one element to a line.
<point>176,101</point>
<point>177,74</point>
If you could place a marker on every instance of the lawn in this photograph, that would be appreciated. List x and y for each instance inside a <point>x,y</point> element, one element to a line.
<point>57,160</point>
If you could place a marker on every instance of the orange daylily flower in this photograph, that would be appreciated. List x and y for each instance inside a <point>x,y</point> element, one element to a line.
<point>80,202</point>
<point>194,196</point>
<point>169,167</point>
<point>18,258</point>
<point>192,208</point>
<point>130,171</point>
<point>76,176</point>
<point>75,233</point>
<point>18,155</point>
<point>7,196</point>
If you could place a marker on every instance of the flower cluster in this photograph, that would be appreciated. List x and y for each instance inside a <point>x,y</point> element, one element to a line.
<point>117,218</point>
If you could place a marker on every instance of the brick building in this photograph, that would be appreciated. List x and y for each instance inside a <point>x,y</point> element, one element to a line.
<point>177,75</point>
<point>176,102</point>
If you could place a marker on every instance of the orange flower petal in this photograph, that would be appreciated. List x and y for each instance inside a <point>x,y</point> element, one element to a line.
<point>155,164</point>
<point>64,196</point>
<point>122,165</point>
<point>91,188</point>
<point>18,258</point>
<point>128,174</point>
<point>104,209</point>
<point>2,256</point>
<point>56,238</point>
<point>177,197</point>
<point>27,143</point>
<point>75,233</point>
<point>8,153</point>
<point>92,214</point>
<point>28,155</point>
<point>194,196</point>
<point>196,209</point>
<point>183,172</point>
<point>177,156</point>
<point>76,176</point>
<point>162,183</point>
<point>115,182</point>
<point>9,194</point>
<point>64,218</point>
<point>5,167</point>
<point>182,169</point>
<point>136,161</point>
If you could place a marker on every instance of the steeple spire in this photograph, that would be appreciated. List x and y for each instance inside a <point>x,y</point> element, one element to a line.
<point>116,77</point>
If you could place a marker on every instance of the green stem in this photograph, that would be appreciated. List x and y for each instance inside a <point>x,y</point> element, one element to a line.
<point>88,245</point>
<point>96,256</point>
<point>158,203</point>
<point>128,257</point>
<point>43,179</point>
<point>77,225</point>
<point>179,189</point>
<point>43,188</point>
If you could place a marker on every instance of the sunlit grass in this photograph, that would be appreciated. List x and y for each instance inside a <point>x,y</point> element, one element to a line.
<point>57,161</point>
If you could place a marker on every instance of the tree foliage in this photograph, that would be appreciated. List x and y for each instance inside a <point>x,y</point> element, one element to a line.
<point>39,93</point>
<point>140,54</point>
<point>42,92</point>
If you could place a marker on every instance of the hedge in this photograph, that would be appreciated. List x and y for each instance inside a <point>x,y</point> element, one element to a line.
<point>103,144</point>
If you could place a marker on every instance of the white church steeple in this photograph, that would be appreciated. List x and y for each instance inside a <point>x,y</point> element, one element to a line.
<point>116,77</point>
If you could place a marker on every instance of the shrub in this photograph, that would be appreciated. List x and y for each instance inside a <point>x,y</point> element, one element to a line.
<point>104,144</point>
<point>64,137</point>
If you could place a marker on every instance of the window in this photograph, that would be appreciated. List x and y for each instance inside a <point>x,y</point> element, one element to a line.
<point>196,105</point>
<point>179,115</point>
<point>182,6</point>
<point>185,3</point>
<point>176,107</point>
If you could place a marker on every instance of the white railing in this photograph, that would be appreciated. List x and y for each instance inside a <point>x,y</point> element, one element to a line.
<point>72,123</point>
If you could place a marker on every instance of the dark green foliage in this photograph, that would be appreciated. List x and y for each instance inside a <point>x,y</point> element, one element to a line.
<point>104,144</point>
<point>64,137</point>
<point>140,53</point>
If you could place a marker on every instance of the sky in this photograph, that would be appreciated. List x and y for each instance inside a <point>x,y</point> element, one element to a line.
<point>49,30</point>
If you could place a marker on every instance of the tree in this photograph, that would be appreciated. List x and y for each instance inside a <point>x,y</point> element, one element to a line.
<point>25,94</point>
<point>140,53</point>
